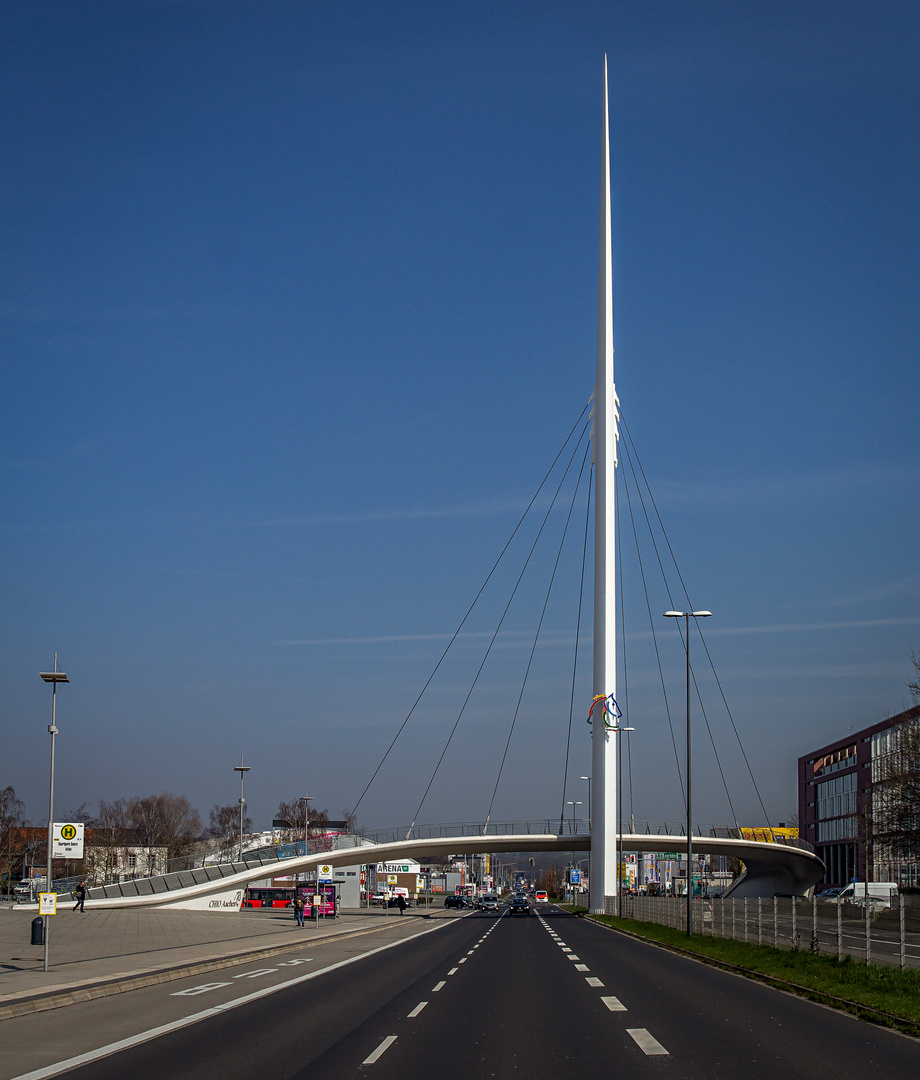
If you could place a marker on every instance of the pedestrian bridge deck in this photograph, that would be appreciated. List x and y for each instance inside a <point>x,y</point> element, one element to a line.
<point>785,868</point>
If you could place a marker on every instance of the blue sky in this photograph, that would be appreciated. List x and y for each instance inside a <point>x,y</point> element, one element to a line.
<point>298,304</point>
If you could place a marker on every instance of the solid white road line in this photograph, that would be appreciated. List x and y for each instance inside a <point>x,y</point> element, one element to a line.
<point>186,1021</point>
<point>418,1008</point>
<point>646,1043</point>
<point>380,1051</point>
<point>614,1004</point>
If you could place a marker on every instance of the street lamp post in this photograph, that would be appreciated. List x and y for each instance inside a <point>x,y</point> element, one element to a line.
<point>573,804</point>
<point>306,799</point>
<point>686,616</point>
<point>53,677</point>
<point>242,770</point>
<point>588,778</point>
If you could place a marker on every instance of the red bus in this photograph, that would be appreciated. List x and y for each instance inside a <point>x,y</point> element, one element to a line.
<point>268,897</point>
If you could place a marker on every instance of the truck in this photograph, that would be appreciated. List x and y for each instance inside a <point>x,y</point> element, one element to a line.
<point>879,893</point>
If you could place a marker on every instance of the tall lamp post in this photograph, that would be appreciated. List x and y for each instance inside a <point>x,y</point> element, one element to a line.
<point>588,778</point>
<point>573,804</point>
<point>242,770</point>
<point>53,677</point>
<point>686,616</point>
<point>306,799</point>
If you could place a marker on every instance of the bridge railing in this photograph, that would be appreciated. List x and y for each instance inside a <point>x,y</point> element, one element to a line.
<point>566,827</point>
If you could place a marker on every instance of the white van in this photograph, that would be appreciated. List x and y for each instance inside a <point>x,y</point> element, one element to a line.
<point>880,893</point>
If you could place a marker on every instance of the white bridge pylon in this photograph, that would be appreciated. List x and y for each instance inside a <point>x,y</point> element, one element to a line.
<point>769,868</point>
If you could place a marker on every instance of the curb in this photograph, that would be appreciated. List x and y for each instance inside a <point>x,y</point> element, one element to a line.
<point>911,1028</point>
<point>42,1001</point>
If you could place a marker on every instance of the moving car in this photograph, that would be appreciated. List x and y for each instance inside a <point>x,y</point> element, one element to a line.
<point>519,905</point>
<point>540,897</point>
<point>488,902</point>
<point>455,901</point>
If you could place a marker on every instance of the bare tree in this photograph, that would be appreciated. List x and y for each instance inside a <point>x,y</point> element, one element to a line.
<point>895,825</point>
<point>913,685</point>
<point>165,820</point>
<point>224,827</point>
<point>11,821</point>
<point>316,821</point>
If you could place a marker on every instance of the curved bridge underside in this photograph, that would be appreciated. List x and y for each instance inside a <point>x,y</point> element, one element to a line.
<point>769,868</point>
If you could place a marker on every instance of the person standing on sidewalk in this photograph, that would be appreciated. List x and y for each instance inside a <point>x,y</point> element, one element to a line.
<point>298,909</point>
<point>80,894</point>
<point>401,901</point>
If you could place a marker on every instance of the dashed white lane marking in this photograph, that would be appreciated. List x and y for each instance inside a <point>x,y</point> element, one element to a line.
<point>565,948</point>
<point>648,1044</point>
<point>193,991</point>
<point>572,956</point>
<point>380,1051</point>
<point>582,967</point>
<point>418,1008</point>
<point>470,953</point>
<point>614,1004</point>
<point>255,974</point>
<point>462,960</point>
<point>453,971</point>
<point>440,986</point>
<point>592,981</point>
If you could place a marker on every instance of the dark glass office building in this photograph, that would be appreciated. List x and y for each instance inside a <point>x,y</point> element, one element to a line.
<point>836,804</point>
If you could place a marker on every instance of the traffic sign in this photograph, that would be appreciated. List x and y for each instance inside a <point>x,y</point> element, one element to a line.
<point>67,840</point>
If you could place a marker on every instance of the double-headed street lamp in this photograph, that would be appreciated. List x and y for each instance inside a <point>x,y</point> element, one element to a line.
<point>242,770</point>
<point>53,677</point>
<point>687,616</point>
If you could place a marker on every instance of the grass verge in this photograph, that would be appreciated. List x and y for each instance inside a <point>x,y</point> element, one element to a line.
<point>880,993</point>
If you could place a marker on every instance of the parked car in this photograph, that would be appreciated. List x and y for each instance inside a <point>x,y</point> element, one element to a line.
<point>379,898</point>
<point>455,901</point>
<point>829,894</point>
<point>519,905</point>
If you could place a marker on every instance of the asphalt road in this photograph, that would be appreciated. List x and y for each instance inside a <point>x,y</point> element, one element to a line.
<point>479,996</point>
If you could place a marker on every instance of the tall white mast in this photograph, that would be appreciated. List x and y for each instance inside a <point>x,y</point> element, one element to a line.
<point>604,748</point>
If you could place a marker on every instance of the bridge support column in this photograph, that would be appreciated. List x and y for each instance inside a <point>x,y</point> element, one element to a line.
<point>604,748</point>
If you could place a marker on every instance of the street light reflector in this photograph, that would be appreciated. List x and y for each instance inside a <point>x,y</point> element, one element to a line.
<point>700,614</point>
<point>674,614</point>
<point>54,676</point>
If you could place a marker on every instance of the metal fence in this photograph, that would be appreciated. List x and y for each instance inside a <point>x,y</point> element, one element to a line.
<point>870,933</point>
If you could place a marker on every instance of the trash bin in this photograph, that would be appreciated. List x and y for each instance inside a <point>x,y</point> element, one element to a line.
<point>38,931</point>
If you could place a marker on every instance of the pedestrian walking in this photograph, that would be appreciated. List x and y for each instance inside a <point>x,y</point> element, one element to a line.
<point>80,894</point>
<point>298,909</point>
<point>401,903</point>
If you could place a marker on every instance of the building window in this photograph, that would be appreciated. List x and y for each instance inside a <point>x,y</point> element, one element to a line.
<point>132,862</point>
<point>837,797</point>
<point>838,829</point>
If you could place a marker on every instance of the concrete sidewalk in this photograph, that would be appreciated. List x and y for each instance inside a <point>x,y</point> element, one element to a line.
<point>95,954</point>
